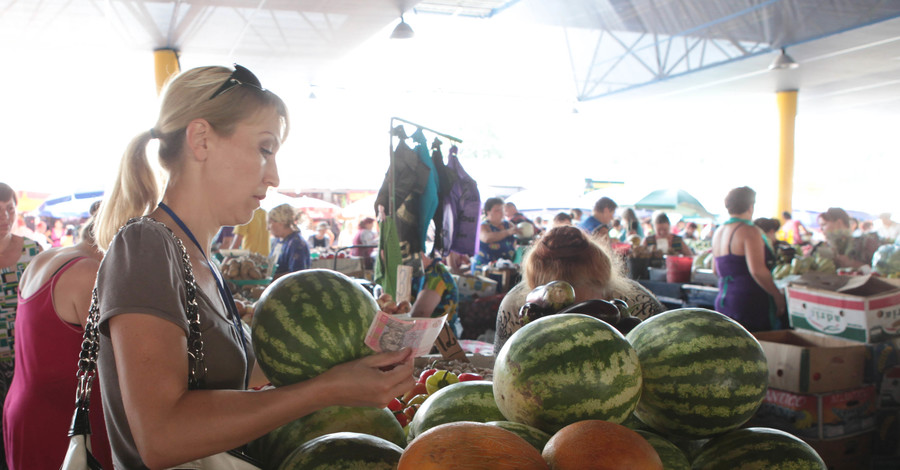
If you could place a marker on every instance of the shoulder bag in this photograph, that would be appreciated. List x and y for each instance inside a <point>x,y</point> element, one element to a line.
<point>78,455</point>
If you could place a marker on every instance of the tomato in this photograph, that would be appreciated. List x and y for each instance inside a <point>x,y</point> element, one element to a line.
<point>395,405</point>
<point>418,389</point>
<point>425,374</point>
<point>469,376</point>
<point>410,411</point>
<point>402,418</point>
<point>439,380</point>
<point>417,400</point>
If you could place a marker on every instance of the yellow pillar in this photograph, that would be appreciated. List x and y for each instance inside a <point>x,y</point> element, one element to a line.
<point>787,111</point>
<point>166,65</point>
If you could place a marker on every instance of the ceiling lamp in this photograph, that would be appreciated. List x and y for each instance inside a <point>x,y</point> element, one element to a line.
<point>783,62</point>
<point>402,31</point>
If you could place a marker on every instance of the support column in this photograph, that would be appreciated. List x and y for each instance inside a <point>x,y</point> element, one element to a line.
<point>166,66</point>
<point>787,112</point>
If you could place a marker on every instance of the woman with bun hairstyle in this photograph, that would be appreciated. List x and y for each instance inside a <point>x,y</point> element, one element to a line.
<point>567,253</point>
<point>219,133</point>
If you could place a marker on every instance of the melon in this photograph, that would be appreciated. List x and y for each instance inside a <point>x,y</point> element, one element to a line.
<point>309,321</point>
<point>463,401</point>
<point>344,451</point>
<point>757,449</point>
<point>671,456</point>
<point>534,436</point>
<point>565,368</point>
<point>275,446</point>
<point>470,445</point>
<point>599,445</point>
<point>703,373</point>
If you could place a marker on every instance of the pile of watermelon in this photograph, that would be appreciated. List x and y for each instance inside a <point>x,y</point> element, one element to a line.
<point>684,382</point>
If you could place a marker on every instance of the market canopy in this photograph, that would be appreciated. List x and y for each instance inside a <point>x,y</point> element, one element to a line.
<point>72,205</point>
<point>316,208</point>
<point>673,200</point>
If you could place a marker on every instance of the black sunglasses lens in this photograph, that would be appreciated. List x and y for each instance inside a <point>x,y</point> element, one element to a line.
<point>245,76</point>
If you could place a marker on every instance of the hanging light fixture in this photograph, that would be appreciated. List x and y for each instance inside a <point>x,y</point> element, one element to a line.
<point>402,31</point>
<point>783,62</point>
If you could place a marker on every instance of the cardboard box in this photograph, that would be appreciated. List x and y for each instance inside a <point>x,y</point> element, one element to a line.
<point>858,308</point>
<point>879,358</point>
<point>806,362</point>
<point>889,392</point>
<point>818,416</point>
<point>886,439</point>
<point>471,287</point>
<point>846,453</point>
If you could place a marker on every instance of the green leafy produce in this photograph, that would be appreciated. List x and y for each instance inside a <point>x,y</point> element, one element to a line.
<point>887,260</point>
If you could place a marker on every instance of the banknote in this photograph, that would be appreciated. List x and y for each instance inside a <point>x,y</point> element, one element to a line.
<point>395,332</point>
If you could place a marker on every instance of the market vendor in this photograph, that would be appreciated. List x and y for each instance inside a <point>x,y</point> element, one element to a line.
<point>598,223</point>
<point>438,294</point>
<point>291,252</point>
<point>664,240</point>
<point>840,244</point>
<point>568,254</point>
<point>496,236</point>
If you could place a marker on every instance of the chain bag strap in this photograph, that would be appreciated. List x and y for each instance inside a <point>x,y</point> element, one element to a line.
<point>78,456</point>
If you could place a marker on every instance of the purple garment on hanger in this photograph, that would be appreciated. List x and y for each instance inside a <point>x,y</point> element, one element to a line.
<point>462,210</point>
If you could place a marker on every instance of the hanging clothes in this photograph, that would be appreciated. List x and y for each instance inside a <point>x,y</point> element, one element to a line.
<point>462,210</point>
<point>388,257</point>
<point>429,202</point>
<point>445,181</point>
<point>410,180</point>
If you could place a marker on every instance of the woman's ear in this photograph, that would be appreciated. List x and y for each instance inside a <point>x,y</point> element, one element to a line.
<point>198,134</point>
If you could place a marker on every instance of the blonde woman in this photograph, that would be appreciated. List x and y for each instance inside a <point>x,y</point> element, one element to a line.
<point>219,133</point>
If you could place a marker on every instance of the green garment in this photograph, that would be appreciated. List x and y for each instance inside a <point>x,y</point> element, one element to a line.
<point>389,256</point>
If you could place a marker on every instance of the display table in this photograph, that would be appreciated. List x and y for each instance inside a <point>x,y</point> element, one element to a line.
<point>350,266</point>
<point>676,295</point>
<point>506,278</point>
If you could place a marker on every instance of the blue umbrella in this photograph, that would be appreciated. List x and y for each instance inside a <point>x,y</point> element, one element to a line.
<point>673,200</point>
<point>72,205</point>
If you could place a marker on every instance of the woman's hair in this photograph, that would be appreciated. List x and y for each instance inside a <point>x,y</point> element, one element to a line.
<point>739,200</point>
<point>628,215</point>
<point>7,193</point>
<point>284,214</point>
<point>661,218</point>
<point>364,222</point>
<point>187,97</point>
<point>566,253</point>
<point>835,214</point>
<point>562,217</point>
<point>767,225</point>
<point>322,225</point>
<point>786,215</point>
<point>87,232</point>
<point>490,203</point>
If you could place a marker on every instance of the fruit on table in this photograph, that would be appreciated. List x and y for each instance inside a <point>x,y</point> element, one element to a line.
<point>470,445</point>
<point>344,450</point>
<point>417,389</point>
<point>272,448</point>
<point>534,436</point>
<point>463,401</point>
<point>465,377</point>
<point>439,380</point>
<point>600,445</point>
<point>762,448</point>
<point>671,456</point>
<point>566,368</point>
<point>547,300</point>
<point>308,321</point>
<point>703,373</point>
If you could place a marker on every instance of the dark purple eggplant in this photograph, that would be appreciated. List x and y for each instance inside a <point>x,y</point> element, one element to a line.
<point>553,296</point>
<point>531,312</point>
<point>597,308</point>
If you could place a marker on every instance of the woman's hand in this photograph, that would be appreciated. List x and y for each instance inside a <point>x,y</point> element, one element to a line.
<point>780,305</point>
<point>370,381</point>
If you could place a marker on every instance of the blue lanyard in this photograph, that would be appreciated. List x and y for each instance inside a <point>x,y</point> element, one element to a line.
<point>224,292</point>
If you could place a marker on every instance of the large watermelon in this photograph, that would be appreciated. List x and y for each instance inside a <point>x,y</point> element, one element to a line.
<point>275,446</point>
<point>344,451</point>
<point>463,401</point>
<point>757,449</point>
<point>309,321</point>
<point>704,374</point>
<point>672,457</point>
<point>534,436</point>
<point>566,368</point>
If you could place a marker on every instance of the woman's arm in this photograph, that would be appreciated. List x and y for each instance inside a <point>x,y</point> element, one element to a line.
<point>173,425</point>
<point>488,236</point>
<point>754,251</point>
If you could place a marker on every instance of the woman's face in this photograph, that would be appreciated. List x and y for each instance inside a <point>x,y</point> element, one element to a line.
<point>245,165</point>
<point>278,229</point>
<point>7,217</point>
<point>495,214</point>
<point>662,230</point>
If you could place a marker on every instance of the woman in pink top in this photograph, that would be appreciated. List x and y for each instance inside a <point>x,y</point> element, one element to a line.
<point>54,298</point>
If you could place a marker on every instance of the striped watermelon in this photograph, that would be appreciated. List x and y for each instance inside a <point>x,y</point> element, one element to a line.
<point>463,401</point>
<point>344,451</point>
<point>309,321</point>
<point>533,436</point>
<point>704,374</point>
<point>672,457</point>
<point>757,449</point>
<point>566,368</point>
<point>275,446</point>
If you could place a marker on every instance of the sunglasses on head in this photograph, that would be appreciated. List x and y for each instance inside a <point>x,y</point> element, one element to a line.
<point>240,77</point>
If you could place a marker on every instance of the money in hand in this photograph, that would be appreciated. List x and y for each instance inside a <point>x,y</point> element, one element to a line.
<point>395,332</point>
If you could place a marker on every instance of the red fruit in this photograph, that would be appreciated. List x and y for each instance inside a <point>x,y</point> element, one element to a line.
<point>465,377</point>
<point>410,411</point>
<point>395,405</point>
<point>418,389</point>
<point>401,418</point>
<point>425,374</point>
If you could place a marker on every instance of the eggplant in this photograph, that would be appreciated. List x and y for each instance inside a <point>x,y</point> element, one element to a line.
<point>553,296</point>
<point>532,311</point>
<point>627,324</point>
<point>597,308</point>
